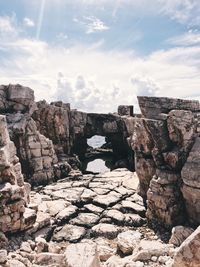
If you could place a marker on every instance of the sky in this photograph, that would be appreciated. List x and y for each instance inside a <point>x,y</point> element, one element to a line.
<point>98,54</point>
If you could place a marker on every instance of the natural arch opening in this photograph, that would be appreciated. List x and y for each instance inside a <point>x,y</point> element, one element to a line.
<point>99,155</point>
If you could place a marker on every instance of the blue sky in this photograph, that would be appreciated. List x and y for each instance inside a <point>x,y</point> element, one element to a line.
<point>99,54</point>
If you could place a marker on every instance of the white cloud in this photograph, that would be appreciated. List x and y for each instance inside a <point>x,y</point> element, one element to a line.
<point>95,80</point>
<point>29,22</point>
<point>95,25</point>
<point>7,25</point>
<point>62,36</point>
<point>92,24</point>
<point>187,39</point>
<point>184,11</point>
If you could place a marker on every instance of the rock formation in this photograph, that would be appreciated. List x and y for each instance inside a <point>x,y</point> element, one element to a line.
<point>35,151</point>
<point>162,141</point>
<point>14,193</point>
<point>42,143</point>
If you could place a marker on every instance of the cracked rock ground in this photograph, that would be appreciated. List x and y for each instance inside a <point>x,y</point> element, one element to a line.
<point>88,221</point>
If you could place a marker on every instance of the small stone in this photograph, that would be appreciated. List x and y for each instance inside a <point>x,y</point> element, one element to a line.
<point>49,259</point>
<point>93,208</point>
<point>41,245</point>
<point>134,220</point>
<point>25,246</point>
<point>71,233</point>
<point>15,263</point>
<point>104,229</point>
<point>3,256</point>
<point>85,219</point>
<point>127,241</point>
<point>66,213</point>
<point>129,206</point>
<point>82,255</point>
<point>115,215</point>
<point>104,248</point>
<point>154,258</point>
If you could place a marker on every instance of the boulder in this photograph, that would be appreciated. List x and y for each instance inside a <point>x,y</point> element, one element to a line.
<point>82,254</point>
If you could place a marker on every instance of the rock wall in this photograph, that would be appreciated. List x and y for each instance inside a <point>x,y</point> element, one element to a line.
<point>35,151</point>
<point>165,163</point>
<point>70,129</point>
<point>14,193</point>
<point>54,121</point>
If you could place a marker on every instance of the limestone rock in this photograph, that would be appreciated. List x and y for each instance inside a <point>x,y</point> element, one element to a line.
<point>145,169</point>
<point>147,249</point>
<point>127,241</point>
<point>53,121</point>
<point>49,259</point>
<point>188,254</point>
<point>104,229</point>
<point>191,186</point>
<point>85,219</point>
<point>125,110</point>
<point>179,234</point>
<point>3,256</point>
<point>152,107</point>
<point>13,196</point>
<point>70,233</point>
<point>165,203</point>
<point>141,139</point>
<point>83,254</point>
<point>181,127</point>
<point>191,168</point>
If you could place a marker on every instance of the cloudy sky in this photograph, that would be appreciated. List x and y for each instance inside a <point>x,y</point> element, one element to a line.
<point>97,54</point>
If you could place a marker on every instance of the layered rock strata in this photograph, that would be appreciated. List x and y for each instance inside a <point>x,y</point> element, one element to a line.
<point>162,141</point>
<point>35,151</point>
<point>14,193</point>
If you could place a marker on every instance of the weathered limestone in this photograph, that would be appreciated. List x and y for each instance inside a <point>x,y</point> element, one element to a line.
<point>14,98</point>
<point>188,254</point>
<point>162,140</point>
<point>84,254</point>
<point>153,107</point>
<point>13,191</point>
<point>179,234</point>
<point>53,121</point>
<point>125,110</point>
<point>35,151</point>
<point>165,201</point>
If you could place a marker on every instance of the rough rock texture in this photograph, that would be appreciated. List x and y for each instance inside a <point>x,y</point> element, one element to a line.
<point>83,254</point>
<point>179,234</point>
<point>14,193</point>
<point>125,110</point>
<point>70,129</point>
<point>35,151</point>
<point>188,254</point>
<point>53,121</point>
<point>74,228</point>
<point>162,140</point>
<point>191,183</point>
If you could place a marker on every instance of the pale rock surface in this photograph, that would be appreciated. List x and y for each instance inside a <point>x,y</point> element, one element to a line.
<point>188,254</point>
<point>83,254</point>
<point>127,241</point>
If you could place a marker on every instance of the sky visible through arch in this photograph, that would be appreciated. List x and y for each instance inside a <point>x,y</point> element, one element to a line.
<point>98,54</point>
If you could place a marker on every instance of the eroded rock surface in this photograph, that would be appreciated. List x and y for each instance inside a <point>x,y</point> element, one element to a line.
<point>188,255</point>
<point>14,193</point>
<point>164,159</point>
